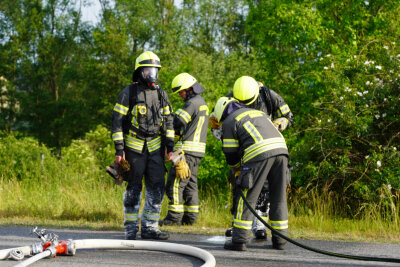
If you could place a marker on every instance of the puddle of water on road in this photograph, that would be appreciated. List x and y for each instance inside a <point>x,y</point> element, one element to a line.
<point>217,239</point>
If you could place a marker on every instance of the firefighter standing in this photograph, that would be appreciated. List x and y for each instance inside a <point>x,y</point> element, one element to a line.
<point>279,113</point>
<point>190,125</point>
<point>254,146</point>
<point>141,130</point>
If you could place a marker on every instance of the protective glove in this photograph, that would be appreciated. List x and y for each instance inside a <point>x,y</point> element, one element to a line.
<point>182,169</point>
<point>117,171</point>
<point>214,124</point>
<point>281,123</point>
<point>217,133</point>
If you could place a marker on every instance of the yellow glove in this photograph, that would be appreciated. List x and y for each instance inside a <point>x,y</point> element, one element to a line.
<point>281,123</point>
<point>214,124</point>
<point>182,169</point>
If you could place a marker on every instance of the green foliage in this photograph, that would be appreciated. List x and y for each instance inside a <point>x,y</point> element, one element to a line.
<point>336,63</point>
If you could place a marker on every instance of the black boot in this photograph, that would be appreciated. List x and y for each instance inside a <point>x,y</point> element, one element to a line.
<point>235,246</point>
<point>168,222</point>
<point>130,232</point>
<point>260,234</point>
<point>228,232</point>
<point>186,220</point>
<point>154,234</point>
<point>278,243</point>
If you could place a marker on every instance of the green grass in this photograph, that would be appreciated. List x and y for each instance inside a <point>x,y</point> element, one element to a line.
<point>95,203</point>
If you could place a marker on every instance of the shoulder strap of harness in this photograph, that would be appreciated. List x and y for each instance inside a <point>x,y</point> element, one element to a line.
<point>266,94</point>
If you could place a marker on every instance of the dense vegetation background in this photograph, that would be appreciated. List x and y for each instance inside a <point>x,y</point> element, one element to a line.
<point>336,63</point>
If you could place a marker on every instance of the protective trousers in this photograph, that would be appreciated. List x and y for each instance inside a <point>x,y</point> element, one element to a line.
<point>183,205</point>
<point>151,167</point>
<point>262,207</point>
<point>276,172</point>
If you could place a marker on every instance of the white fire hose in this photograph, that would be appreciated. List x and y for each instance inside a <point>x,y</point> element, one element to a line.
<point>50,247</point>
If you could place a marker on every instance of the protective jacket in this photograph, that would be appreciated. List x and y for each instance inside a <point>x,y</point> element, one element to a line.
<point>272,104</point>
<point>191,123</point>
<point>142,116</point>
<point>249,136</point>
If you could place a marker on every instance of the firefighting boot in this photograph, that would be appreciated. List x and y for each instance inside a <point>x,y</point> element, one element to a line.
<point>235,246</point>
<point>154,234</point>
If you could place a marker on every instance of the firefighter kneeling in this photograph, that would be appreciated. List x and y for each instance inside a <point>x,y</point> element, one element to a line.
<point>254,146</point>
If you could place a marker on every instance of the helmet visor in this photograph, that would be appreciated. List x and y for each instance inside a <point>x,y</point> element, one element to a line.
<point>149,74</point>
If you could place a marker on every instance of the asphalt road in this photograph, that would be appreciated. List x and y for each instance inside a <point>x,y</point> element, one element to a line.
<point>258,253</point>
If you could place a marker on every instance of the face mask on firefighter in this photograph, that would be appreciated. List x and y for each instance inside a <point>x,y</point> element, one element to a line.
<point>149,75</point>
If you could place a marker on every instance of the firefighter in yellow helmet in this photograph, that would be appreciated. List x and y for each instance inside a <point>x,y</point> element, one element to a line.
<point>261,98</point>
<point>142,129</point>
<point>257,150</point>
<point>190,125</point>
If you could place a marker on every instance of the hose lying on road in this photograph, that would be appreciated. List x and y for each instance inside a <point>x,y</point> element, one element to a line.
<point>207,257</point>
<point>354,257</point>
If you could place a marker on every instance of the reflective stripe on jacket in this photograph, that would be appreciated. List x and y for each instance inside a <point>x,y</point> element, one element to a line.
<point>194,116</point>
<point>142,122</point>
<point>251,134</point>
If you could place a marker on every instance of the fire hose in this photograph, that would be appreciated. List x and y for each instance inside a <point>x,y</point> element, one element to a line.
<point>354,257</point>
<point>50,246</point>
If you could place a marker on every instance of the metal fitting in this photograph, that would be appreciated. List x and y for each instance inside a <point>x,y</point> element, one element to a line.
<point>71,247</point>
<point>17,254</point>
<point>36,248</point>
<point>52,250</point>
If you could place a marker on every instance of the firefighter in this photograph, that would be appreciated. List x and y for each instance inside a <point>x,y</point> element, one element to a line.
<point>142,131</point>
<point>279,113</point>
<point>253,146</point>
<point>190,125</point>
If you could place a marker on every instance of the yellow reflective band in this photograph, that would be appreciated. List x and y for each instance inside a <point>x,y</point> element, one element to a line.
<point>279,224</point>
<point>121,109</point>
<point>151,216</point>
<point>166,111</point>
<point>176,208</point>
<point>263,146</point>
<point>132,217</point>
<point>230,143</point>
<point>184,115</point>
<point>191,146</point>
<point>117,136</point>
<point>194,209</point>
<point>170,133</point>
<point>250,113</point>
<point>175,191</point>
<point>134,143</point>
<point>252,131</point>
<point>242,224</point>
<point>204,108</point>
<point>154,144</point>
<point>239,211</point>
<point>283,110</point>
<point>198,129</point>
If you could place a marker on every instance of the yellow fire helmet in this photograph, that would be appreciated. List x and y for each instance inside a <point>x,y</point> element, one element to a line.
<point>147,59</point>
<point>220,106</point>
<point>185,81</point>
<point>246,90</point>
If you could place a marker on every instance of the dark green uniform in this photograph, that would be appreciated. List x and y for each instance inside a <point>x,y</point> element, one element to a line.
<point>251,142</point>
<point>142,125</point>
<point>191,122</point>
